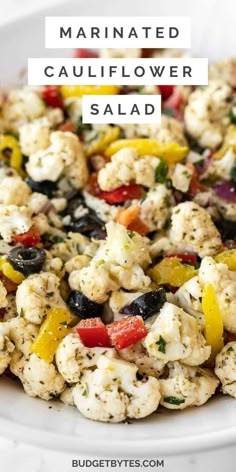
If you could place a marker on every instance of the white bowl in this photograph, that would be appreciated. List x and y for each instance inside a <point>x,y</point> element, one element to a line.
<point>63,428</point>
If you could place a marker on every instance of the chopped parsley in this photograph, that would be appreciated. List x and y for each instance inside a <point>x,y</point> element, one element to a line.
<point>233,173</point>
<point>232,115</point>
<point>49,294</point>
<point>63,323</point>
<point>85,393</point>
<point>101,262</point>
<point>230,349</point>
<point>161,172</point>
<point>131,234</point>
<point>162,345</point>
<point>174,400</point>
<point>168,111</point>
<point>22,313</point>
<point>81,127</point>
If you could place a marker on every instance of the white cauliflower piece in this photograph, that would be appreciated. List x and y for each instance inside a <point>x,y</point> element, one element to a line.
<point>206,115</point>
<point>224,283</point>
<point>103,210</point>
<point>169,131</point>
<point>3,296</point>
<point>21,333</point>
<point>38,202</point>
<point>192,229</point>
<point>10,310</point>
<point>181,177</point>
<point>14,220</point>
<point>225,368</point>
<point>112,392</point>
<point>176,335</point>
<point>119,262</point>
<point>38,378</point>
<point>37,294</point>
<point>14,191</point>
<point>63,156</point>
<point>72,357</point>
<point>6,349</point>
<point>186,386</point>
<point>126,166</point>
<point>34,136</point>
<point>189,297</point>
<point>221,168</point>
<point>22,106</point>
<point>138,355</point>
<point>66,396</point>
<point>224,70</point>
<point>77,263</point>
<point>155,208</point>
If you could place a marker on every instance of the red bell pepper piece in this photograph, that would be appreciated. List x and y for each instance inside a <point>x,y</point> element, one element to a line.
<point>122,194</point>
<point>85,54</point>
<point>52,97</point>
<point>166,91</point>
<point>125,332</point>
<point>93,333</point>
<point>30,238</point>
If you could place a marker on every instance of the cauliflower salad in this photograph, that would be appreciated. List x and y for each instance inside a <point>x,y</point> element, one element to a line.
<point>118,247</point>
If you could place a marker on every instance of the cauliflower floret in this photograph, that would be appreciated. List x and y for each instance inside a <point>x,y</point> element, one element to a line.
<point>192,229</point>
<point>22,334</point>
<point>14,220</point>
<point>112,392</point>
<point>38,202</point>
<point>22,106</point>
<point>66,396</point>
<point>126,166</point>
<point>72,357</point>
<point>186,386</point>
<point>72,245</point>
<point>224,70</point>
<point>6,349</point>
<point>10,310</point>
<point>14,191</point>
<point>119,262</point>
<point>175,335</point>
<point>206,115</point>
<point>63,156</point>
<point>108,53</point>
<point>103,210</point>
<point>139,356</point>
<point>181,177</point>
<point>170,130</point>
<point>225,368</point>
<point>37,294</point>
<point>3,296</point>
<point>189,297</point>
<point>155,208</point>
<point>34,136</point>
<point>221,167</point>
<point>38,378</point>
<point>77,263</point>
<point>224,284</point>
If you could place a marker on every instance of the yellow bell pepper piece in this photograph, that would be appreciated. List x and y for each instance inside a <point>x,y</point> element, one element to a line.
<point>171,271</point>
<point>213,320</point>
<point>80,90</point>
<point>16,159</point>
<point>12,274</point>
<point>229,142</point>
<point>170,152</point>
<point>105,137</point>
<point>227,257</point>
<point>52,331</point>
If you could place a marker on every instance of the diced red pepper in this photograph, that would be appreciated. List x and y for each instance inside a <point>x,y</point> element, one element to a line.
<point>190,258</point>
<point>119,195</point>
<point>195,185</point>
<point>30,238</point>
<point>85,53</point>
<point>174,101</point>
<point>93,333</point>
<point>8,284</point>
<point>67,126</point>
<point>125,332</point>
<point>52,97</point>
<point>166,91</point>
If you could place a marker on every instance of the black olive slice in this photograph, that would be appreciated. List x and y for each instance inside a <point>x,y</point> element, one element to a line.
<point>146,305</point>
<point>46,187</point>
<point>83,307</point>
<point>28,260</point>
